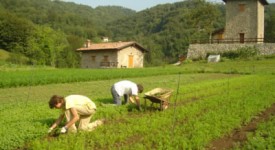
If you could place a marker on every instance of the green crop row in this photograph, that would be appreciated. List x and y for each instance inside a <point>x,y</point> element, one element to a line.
<point>25,115</point>
<point>40,76</point>
<point>263,138</point>
<point>188,126</point>
<point>204,102</point>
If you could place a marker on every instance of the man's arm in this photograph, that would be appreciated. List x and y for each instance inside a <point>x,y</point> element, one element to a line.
<point>57,122</point>
<point>74,119</point>
<point>137,101</point>
<point>132,100</point>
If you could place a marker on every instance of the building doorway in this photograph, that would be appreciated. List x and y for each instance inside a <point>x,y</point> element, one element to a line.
<point>131,61</point>
<point>241,37</point>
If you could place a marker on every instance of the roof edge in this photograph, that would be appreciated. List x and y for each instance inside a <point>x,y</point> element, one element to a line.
<point>130,43</point>
<point>264,2</point>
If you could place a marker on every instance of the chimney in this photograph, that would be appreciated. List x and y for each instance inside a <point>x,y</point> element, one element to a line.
<point>105,39</point>
<point>88,43</point>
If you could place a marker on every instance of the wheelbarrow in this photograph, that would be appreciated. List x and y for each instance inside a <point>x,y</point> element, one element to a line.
<point>160,96</point>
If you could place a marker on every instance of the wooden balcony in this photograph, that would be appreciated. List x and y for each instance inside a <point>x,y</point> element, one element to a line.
<point>108,64</point>
<point>228,41</point>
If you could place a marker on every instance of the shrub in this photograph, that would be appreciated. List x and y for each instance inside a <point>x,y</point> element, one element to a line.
<point>242,53</point>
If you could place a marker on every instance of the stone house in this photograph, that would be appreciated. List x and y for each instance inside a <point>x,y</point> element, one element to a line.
<point>244,22</point>
<point>112,55</point>
<point>244,28</point>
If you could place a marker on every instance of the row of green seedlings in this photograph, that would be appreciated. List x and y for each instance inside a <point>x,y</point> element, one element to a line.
<point>263,138</point>
<point>46,76</point>
<point>41,77</point>
<point>113,113</point>
<point>203,109</point>
<point>20,108</point>
<point>35,116</point>
<point>190,126</point>
<point>21,122</point>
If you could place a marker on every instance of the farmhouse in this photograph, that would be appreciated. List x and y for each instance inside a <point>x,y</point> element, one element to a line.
<point>112,55</point>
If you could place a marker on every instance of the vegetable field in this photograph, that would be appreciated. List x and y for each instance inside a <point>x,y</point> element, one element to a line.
<point>210,102</point>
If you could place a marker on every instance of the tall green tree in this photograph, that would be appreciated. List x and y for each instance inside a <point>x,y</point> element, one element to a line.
<point>14,32</point>
<point>52,43</point>
<point>71,57</point>
<point>40,44</point>
<point>201,17</point>
<point>270,24</point>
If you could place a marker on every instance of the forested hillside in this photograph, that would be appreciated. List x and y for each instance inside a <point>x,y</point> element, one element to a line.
<point>167,30</point>
<point>69,17</point>
<point>47,32</point>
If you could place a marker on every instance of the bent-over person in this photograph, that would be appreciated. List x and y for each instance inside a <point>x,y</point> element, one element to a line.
<point>129,90</point>
<point>74,108</point>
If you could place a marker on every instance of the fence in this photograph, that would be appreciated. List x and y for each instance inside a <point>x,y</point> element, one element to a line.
<point>228,41</point>
<point>109,64</point>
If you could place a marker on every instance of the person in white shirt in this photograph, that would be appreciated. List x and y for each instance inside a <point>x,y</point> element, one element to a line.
<point>74,108</point>
<point>129,90</point>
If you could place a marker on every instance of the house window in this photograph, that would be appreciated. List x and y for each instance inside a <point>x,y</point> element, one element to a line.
<point>106,58</point>
<point>93,58</point>
<point>241,37</point>
<point>241,7</point>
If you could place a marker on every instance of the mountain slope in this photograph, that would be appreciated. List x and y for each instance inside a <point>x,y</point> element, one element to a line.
<point>69,17</point>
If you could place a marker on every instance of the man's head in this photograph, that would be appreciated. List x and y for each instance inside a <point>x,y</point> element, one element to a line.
<point>56,101</point>
<point>140,88</point>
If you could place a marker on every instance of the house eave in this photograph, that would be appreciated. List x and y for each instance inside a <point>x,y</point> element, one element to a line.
<point>134,44</point>
<point>264,2</point>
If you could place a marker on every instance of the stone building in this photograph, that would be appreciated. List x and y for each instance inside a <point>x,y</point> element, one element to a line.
<point>245,20</point>
<point>244,27</point>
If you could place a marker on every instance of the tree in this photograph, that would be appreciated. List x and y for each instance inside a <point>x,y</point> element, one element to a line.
<point>270,24</point>
<point>14,32</point>
<point>201,18</point>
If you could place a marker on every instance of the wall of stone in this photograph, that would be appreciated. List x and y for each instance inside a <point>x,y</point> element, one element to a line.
<point>200,51</point>
<point>241,22</point>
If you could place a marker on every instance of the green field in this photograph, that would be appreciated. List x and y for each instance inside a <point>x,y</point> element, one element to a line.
<point>209,101</point>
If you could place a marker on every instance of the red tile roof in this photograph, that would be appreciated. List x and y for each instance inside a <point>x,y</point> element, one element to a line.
<point>111,46</point>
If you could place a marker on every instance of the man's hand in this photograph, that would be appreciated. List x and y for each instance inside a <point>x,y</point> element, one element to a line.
<point>63,130</point>
<point>132,100</point>
<point>50,130</point>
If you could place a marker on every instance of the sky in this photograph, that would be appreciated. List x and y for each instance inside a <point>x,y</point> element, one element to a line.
<point>136,5</point>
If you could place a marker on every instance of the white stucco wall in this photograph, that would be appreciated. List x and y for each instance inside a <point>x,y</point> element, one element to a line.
<point>123,57</point>
<point>260,20</point>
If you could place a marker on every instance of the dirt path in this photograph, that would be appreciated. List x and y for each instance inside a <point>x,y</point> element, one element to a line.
<point>239,135</point>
